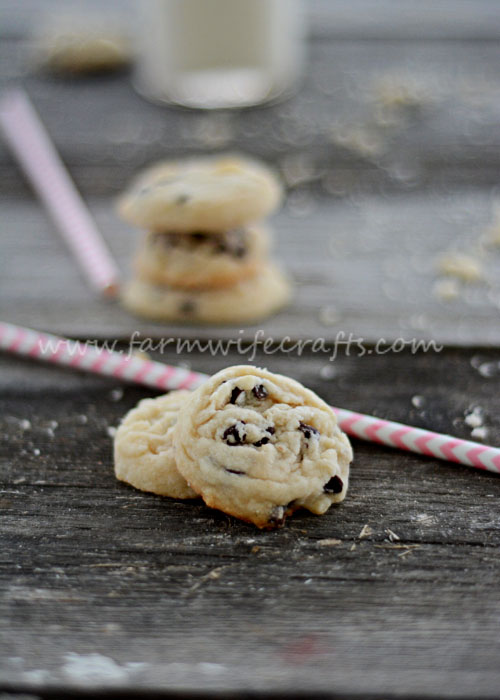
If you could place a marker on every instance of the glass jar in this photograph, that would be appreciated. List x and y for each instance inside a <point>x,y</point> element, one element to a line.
<point>219,53</point>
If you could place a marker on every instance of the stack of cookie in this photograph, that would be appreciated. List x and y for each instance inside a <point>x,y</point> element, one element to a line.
<point>204,256</point>
<point>252,444</point>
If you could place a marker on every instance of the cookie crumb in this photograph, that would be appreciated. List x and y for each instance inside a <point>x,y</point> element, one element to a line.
<point>329,316</point>
<point>488,369</point>
<point>328,372</point>
<point>474,417</point>
<point>214,131</point>
<point>424,519</point>
<point>214,574</point>
<point>358,138</point>
<point>392,535</point>
<point>298,169</point>
<point>401,92</point>
<point>463,266</point>
<point>446,289</point>
<point>328,542</point>
<point>418,401</point>
<point>480,433</point>
<point>365,532</point>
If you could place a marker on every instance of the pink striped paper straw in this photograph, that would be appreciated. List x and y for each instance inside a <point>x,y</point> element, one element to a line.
<point>73,353</point>
<point>425,442</point>
<point>36,153</point>
<point>51,348</point>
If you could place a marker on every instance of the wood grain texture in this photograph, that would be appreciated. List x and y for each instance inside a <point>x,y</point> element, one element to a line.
<point>369,207</point>
<point>107,592</point>
<point>365,267</point>
<point>361,19</point>
<point>449,134</point>
<point>202,602</point>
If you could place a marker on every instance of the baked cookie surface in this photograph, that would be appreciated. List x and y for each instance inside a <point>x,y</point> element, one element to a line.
<point>258,446</point>
<point>249,300</point>
<point>201,260</point>
<point>209,194</point>
<point>68,50</point>
<point>143,447</point>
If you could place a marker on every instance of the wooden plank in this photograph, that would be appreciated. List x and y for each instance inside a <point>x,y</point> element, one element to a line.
<point>450,135</point>
<point>439,157</point>
<point>383,19</point>
<point>103,587</point>
<point>365,266</point>
<point>359,18</point>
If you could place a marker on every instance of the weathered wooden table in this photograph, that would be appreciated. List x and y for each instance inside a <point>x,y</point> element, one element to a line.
<point>109,592</point>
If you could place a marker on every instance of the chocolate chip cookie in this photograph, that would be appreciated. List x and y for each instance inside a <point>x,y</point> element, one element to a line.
<point>258,446</point>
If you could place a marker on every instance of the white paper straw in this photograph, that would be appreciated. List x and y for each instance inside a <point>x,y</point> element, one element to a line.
<point>34,150</point>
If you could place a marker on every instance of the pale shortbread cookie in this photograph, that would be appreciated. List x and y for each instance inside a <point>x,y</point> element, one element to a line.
<point>201,194</point>
<point>143,450</point>
<point>259,445</point>
<point>247,301</point>
<point>201,260</point>
<point>73,51</point>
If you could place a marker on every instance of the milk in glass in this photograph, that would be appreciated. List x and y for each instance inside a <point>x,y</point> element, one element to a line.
<point>219,53</point>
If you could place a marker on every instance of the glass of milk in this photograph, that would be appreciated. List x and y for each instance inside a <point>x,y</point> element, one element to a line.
<point>219,53</point>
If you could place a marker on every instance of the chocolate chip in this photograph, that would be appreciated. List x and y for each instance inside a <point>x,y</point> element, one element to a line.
<point>199,237</point>
<point>235,393</point>
<point>263,441</point>
<point>182,199</point>
<point>260,391</point>
<point>234,471</point>
<point>187,307</point>
<point>277,516</point>
<point>240,251</point>
<point>232,435</point>
<point>334,485</point>
<point>232,243</point>
<point>308,430</point>
<point>221,247</point>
